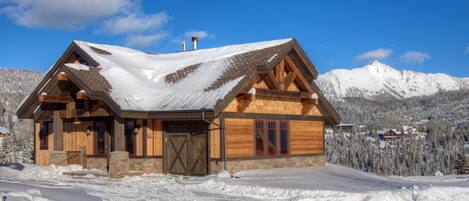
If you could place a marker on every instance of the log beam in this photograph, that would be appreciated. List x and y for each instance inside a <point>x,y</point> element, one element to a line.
<point>82,95</point>
<point>271,81</point>
<point>304,83</point>
<point>243,101</point>
<point>289,80</point>
<point>62,76</point>
<point>308,105</point>
<point>54,99</point>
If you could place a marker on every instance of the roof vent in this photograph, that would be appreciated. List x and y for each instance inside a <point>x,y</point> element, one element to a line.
<point>195,40</point>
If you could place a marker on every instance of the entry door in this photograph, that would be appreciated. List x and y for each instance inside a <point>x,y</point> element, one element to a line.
<point>185,148</point>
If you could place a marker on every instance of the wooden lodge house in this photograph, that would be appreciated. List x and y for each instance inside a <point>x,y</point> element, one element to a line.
<point>195,112</point>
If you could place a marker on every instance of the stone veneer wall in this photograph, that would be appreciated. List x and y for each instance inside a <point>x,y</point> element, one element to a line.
<point>234,166</point>
<point>147,165</point>
<point>99,163</point>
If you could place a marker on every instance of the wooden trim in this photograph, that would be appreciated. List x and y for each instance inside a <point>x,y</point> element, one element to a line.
<point>281,93</point>
<point>54,99</point>
<point>236,115</point>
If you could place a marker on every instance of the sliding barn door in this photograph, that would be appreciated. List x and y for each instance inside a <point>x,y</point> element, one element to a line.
<point>185,148</point>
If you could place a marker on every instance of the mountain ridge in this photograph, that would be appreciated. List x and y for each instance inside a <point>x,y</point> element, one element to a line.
<point>378,81</point>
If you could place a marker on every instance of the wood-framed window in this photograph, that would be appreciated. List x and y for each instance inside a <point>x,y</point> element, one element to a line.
<point>260,138</point>
<point>272,138</point>
<point>283,137</point>
<point>130,136</point>
<point>46,129</point>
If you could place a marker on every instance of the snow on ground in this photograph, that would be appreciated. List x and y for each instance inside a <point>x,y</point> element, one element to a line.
<point>330,183</point>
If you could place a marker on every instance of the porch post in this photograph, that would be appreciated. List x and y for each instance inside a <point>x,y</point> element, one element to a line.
<point>58,156</point>
<point>58,131</point>
<point>119,134</point>
<point>119,162</point>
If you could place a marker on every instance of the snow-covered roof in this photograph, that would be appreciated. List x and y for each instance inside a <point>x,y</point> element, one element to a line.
<point>189,80</point>
<point>135,83</point>
<point>4,130</point>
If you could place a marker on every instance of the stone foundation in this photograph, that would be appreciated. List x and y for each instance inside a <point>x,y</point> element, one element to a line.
<point>99,163</point>
<point>119,164</point>
<point>147,165</point>
<point>58,158</point>
<point>234,166</point>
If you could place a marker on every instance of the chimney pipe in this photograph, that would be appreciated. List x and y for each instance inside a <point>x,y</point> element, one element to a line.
<point>195,40</point>
<point>184,45</point>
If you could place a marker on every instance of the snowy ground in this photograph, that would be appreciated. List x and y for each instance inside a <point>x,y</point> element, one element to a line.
<point>329,183</point>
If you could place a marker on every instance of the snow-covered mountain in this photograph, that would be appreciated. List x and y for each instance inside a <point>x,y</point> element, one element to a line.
<point>378,80</point>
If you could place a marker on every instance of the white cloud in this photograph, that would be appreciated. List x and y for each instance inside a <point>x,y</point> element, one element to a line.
<point>200,33</point>
<point>377,54</point>
<point>467,49</point>
<point>135,23</point>
<point>63,14</point>
<point>414,57</point>
<point>141,40</point>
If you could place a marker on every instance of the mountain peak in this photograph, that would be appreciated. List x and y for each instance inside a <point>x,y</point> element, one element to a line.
<point>378,68</point>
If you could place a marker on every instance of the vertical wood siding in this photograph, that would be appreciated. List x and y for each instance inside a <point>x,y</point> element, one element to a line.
<point>154,138</point>
<point>215,148</point>
<point>239,137</point>
<point>306,137</point>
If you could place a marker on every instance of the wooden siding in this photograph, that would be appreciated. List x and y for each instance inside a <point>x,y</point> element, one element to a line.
<point>75,136</point>
<point>154,138</point>
<point>239,138</point>
<point>306,137</point>
<point>273,105</point>
<point>42,156</point>
<point>215,148</point>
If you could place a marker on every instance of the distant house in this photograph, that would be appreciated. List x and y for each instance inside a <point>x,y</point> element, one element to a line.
<point>390,134</point>
<point>4,132</point>
<point>344,127</point>
<point>197,112</point>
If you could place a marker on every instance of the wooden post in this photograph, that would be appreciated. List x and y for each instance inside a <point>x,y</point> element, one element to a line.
<point>58,131</point>
<point>144,141</point>
<point>119,134</point>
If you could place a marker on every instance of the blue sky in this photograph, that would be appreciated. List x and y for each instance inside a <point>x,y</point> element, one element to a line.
<point>427,36</point>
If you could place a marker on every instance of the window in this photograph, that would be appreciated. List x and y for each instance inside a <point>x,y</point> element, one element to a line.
<point>272,135</point>
<point>283,137</point>
<point>260,138</point>
<point>44,135</point>
<point>271,138</point>
<point>130,133</point>
<point>100,139</point>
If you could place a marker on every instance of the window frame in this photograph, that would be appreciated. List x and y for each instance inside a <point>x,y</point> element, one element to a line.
<point>287,129</point>
<point>265,129</point>
<point>267,136</point>
<point>256,129</point>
